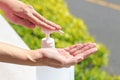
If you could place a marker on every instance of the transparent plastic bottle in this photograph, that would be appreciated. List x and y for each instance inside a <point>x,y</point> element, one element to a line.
<point>50,73</point>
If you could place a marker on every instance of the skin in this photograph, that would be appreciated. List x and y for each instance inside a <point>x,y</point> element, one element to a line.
<point>22,14</point>
<point>54,57</point>
<point>25,15</point>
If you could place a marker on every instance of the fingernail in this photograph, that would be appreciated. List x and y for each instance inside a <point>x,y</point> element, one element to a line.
<point>58,27</point>
<point>94,50</point>
<point>95,44</point>
<point>60,31</point>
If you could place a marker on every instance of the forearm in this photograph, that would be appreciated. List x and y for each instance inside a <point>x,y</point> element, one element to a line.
<point>12,54</point>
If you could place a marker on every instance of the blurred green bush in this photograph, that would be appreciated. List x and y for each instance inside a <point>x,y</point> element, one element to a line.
<point>75,32</point>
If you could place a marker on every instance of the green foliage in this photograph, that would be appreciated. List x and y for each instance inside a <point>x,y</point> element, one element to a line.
<point>75,32</point>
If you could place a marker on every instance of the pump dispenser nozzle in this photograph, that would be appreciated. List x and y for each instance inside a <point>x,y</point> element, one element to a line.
<point>48,42</point>
<point>47,33</point>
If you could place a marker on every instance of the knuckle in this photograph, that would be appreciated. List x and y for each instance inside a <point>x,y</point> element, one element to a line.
<point>29,6</point>
<point>25,10</point>
<point>27,13</point>
<point>42,23</point>
<point>39,23</point>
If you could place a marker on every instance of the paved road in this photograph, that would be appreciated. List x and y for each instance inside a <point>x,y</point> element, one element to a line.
<point>103,23</point>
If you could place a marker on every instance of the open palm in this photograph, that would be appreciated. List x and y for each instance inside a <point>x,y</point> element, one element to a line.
<point>66,57</point>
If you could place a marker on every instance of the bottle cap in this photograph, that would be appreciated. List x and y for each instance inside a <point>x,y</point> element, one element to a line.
<point>49,42</point>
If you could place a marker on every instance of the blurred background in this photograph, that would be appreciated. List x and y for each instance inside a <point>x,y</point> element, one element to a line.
<point>82,21</point>
<point>102,18</point>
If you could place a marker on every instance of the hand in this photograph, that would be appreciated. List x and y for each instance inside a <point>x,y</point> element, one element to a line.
<point>25,15</point>
<point>65,57</point>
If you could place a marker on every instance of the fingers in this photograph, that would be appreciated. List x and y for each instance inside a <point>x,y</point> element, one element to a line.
<point>89,52</point>
<point>41,21</point>
<point>77,48</point>
<point>69,48</point>
<point>64,53</point>
<point>84,48</point>
<point>63,59</point>
<point>27,24</point>
<point>80,52</point>
<point>23,22</point>
<point>84,55</point>
<point>51,24</point>
<point>32,16</point>
<point>80,57</point>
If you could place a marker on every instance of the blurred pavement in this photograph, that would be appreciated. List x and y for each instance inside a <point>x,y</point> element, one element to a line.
<point>103,21</point>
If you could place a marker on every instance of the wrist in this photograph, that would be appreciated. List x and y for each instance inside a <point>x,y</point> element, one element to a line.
<point>30,56</point>
<point>35,57</point>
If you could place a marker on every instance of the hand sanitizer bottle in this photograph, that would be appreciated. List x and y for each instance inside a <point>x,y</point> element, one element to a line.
<point>50,73</point>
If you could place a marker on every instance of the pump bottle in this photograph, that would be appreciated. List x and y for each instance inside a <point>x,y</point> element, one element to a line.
<point>50,73</point>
